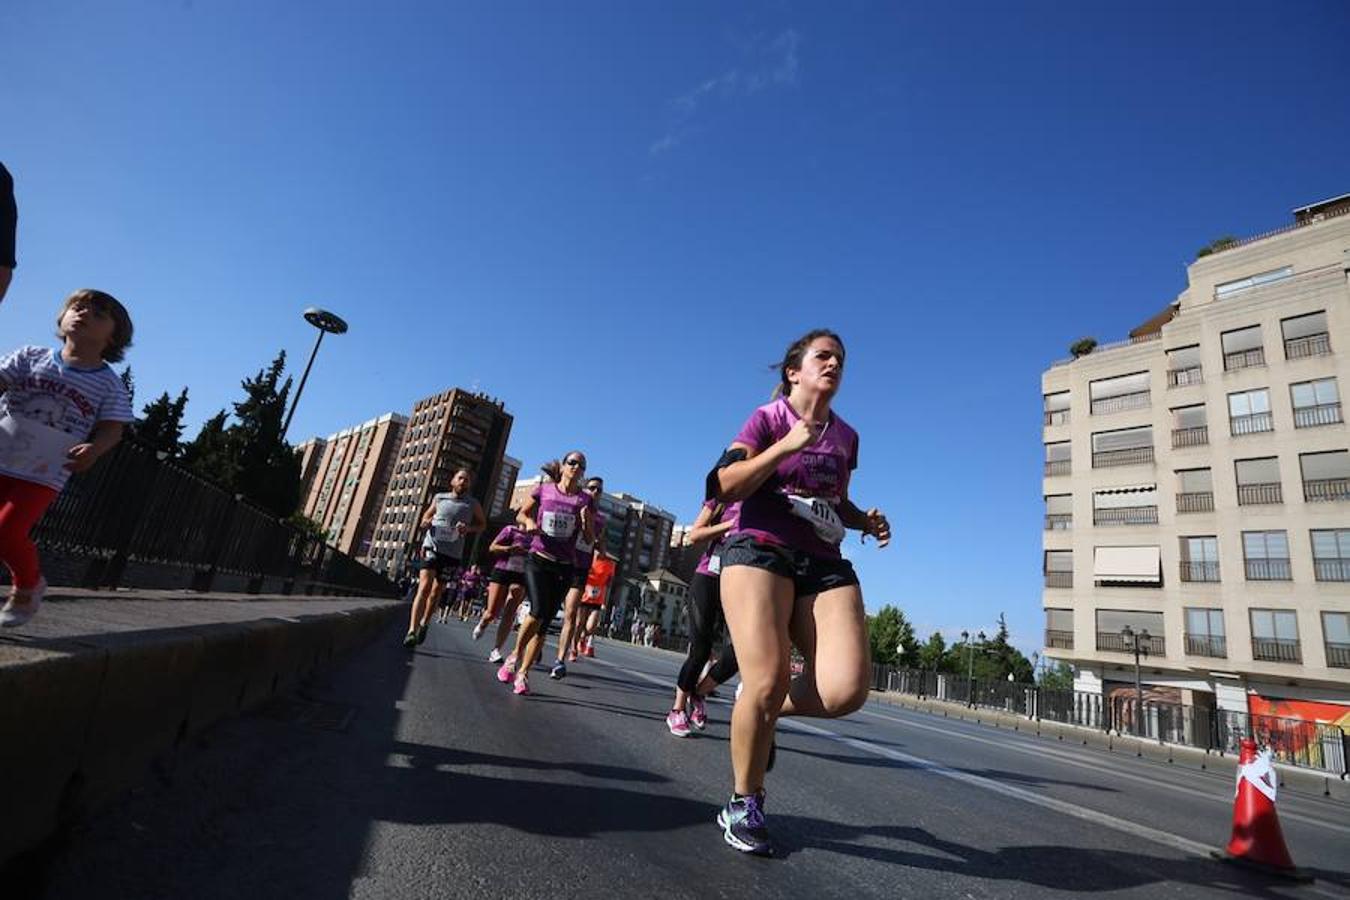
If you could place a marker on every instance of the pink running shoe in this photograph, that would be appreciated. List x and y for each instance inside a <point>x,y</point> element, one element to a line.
<point>506,672</point>
<point>572,655</point>
<point>678,723</point>
<point>522,685</point>
<point>698,712</point>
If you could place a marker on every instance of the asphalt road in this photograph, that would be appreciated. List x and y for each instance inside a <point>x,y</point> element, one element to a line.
<point>419,775</point>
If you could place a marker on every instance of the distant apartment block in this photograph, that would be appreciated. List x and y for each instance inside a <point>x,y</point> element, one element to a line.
<point>347,477</point>
<point>447,431</point>
<point>505,487</point>
<point>1197,486</point>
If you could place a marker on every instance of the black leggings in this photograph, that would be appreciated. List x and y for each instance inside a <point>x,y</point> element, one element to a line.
<point>546,582</point>
<point>705,618</point>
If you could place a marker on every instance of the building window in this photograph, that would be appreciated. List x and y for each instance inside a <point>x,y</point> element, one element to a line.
<point>1190,426</point>
<point>1230,288</point>
<point>1249,412</point>
<point>1183,367</point>
<point>1059,568</point>
<point>1138,566</point>
<point>1326,476</point>
<point>1200,558</point>
<point>1331,554</point>
<point>1195,491</point>
<point>1126,506</point>
<point>1127,446</point>
<point>1058,512</point>
<point>1205,634</point>
<point>1266,555</point>
<point>1306,336</point>
<point>1258,481</point>
<point>1275,635</point>
<point>1336,635</point>
<point>1315,403</point>
<point>1111,622</point>
<point>1242,349</point>
<point>1059,628</point>
<point>1119,394</point>
<point>1057,408</point>
<point>1058,458</point>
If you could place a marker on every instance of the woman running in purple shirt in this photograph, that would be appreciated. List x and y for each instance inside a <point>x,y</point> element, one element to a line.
<point>783,579</point>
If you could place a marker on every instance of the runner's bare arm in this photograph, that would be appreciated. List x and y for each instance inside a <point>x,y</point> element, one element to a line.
<point>429,515</point>
<point>525,518</point>
<point>741,479</point>
<point>871,521</point>
<point>479,520</point>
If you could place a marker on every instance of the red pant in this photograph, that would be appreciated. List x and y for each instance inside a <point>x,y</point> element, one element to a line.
<point>22,503</point>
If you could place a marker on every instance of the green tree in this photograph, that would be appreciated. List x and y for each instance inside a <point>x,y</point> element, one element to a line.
<point>269,470</point>
<point>1007,658</point>
<point>932,654</point>
<point>892,638</point>
<point>211,455</point>
<point>161,423</point>
<point>1058,677</point>
<point>129,382</point>
<point>1216,245</point>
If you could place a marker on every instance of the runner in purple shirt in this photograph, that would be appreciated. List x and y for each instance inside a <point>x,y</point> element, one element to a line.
<point>584,556</point>
<point>714,520</point>
<point>784,581</point>
<point>553,515</point>
<point>506,585</point>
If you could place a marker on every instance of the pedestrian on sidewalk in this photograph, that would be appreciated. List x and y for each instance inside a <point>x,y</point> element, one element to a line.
<point>60,410</point>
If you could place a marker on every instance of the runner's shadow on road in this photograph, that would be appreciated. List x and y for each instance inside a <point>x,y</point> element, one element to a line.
<point>423,756</point>
<point>1076,869</point>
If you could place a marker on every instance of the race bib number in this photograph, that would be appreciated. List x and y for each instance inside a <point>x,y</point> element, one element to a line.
<point>558,524</point>
<point>444,538</point>
<point>592,592</point>
<point>584,546</point>
<point>33,450</point>
<point>820,513</point>
<point>715,564</point>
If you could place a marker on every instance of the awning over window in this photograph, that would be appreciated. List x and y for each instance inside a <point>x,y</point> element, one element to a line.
<point>1142,565</point>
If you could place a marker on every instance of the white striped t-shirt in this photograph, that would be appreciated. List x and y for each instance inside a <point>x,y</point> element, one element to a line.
<point>41,387</point>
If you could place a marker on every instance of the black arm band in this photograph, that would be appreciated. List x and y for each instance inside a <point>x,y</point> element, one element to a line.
<point>711,486</point>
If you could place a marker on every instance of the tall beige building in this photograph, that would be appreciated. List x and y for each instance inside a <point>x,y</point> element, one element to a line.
<point>1197,486</point>
<point>447,431</point>
<point>349,472</point>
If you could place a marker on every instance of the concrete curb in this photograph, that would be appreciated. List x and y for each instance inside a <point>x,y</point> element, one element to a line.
<point>85,720</point>
<point>1300,781</point>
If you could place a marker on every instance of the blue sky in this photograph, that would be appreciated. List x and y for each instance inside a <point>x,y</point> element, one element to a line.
<point>614,216</point>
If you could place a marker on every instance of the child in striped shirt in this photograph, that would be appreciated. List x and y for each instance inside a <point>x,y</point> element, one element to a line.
<point>60,410</point>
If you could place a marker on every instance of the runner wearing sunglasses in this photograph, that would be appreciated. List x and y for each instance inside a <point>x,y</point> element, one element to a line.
<point>554,514</point>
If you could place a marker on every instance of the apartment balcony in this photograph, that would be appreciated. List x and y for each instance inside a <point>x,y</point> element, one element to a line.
<point>1326,490</point>
<point>1338,655</point>
<point>1113,642</point>
<point>1285,650</point>
<point>1211,645</point>
<point>1331,569</point>
<point>1062,640</point>
<point>1317,416</point>
<point>1260,494</point>
<point>1197,436</point>
<point>1196,501</point>
<point>1059,579</point>
<point>1058,467</point>
<point>1058,521</point>
<point>1126,515</point>
<point>1269,570</point>
<point>1244,359</point>
<point>1304,347</point>
<point>1252,424</point>
<point>1056,417</point>
<point>1105,459</point>
<point>1185,377</point>
<point>1192,570</point>
<point>1120,403</point>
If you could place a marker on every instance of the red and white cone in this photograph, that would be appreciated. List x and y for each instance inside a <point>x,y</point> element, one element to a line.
<point>1257,840</point>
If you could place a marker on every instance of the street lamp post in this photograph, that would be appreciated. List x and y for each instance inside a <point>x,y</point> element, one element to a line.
<point>1138,642</point>
<point>327,323</point>
<point>970,667</point>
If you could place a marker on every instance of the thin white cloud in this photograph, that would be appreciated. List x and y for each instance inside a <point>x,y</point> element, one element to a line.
<point>773,63</point>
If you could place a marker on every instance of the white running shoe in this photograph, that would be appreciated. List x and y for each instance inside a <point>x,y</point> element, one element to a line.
<point>478,630</point>
<point>495,656</point>
<point>16,613</point>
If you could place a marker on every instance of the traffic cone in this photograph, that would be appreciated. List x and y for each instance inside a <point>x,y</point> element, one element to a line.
<point>1257,840</point>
